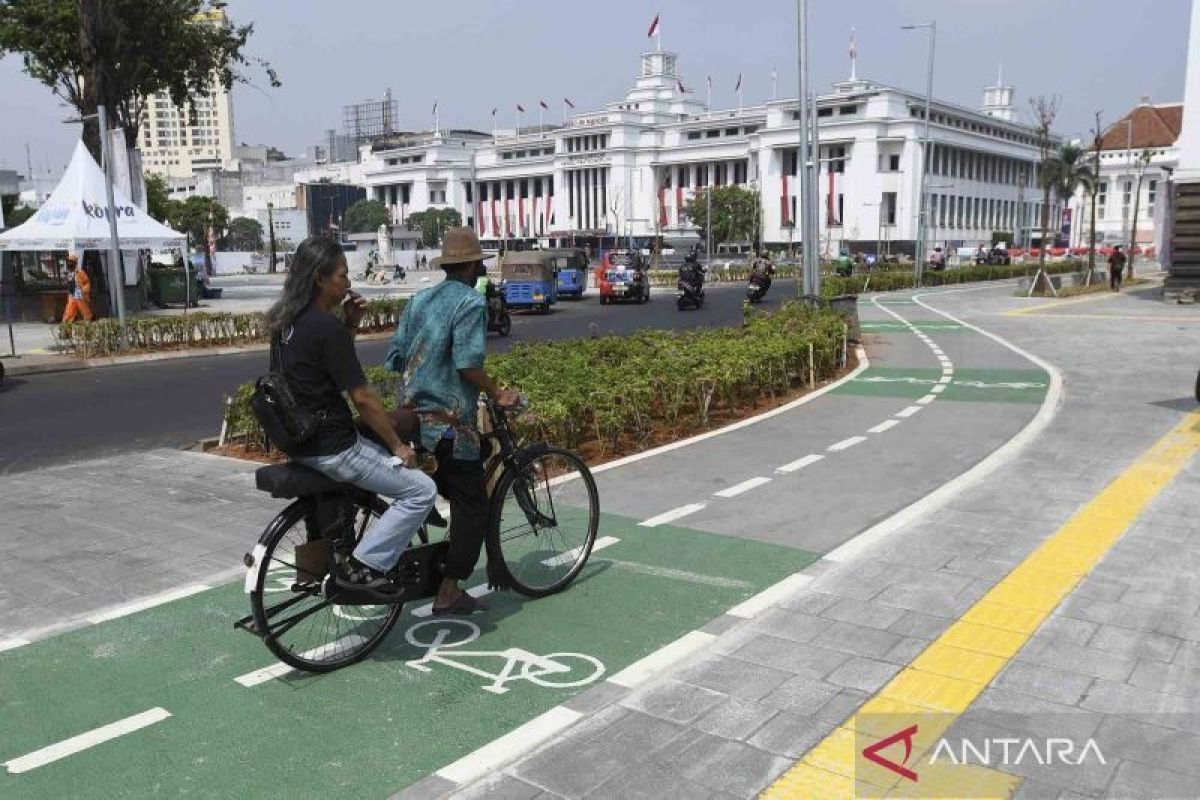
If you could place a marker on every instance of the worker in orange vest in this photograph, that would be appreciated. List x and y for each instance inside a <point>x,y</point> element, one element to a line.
<point>81,292</point>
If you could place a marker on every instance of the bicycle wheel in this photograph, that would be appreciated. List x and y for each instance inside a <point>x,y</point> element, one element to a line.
<point>543,522</point>
<point>302,626</point>
<point>573,669</point>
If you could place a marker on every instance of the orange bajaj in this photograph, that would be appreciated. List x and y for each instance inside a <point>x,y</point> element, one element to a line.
<point>622,276</point>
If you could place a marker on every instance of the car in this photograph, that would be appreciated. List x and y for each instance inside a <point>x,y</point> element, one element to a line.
<point>622,276</point>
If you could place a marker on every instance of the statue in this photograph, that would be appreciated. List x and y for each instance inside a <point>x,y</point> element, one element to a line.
<point>385,246</point>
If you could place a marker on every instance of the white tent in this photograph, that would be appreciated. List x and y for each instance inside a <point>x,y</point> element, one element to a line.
<point>75,217</point>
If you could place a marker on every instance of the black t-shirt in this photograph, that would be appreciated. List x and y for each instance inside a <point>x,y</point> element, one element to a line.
<point>320,363</point>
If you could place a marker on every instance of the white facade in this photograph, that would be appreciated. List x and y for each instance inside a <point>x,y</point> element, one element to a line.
<point>1189,138</point>
<point>631,168</point>
<point>176,142</point>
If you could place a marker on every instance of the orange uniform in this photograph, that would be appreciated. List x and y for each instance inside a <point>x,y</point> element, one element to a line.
<point>79,303</point>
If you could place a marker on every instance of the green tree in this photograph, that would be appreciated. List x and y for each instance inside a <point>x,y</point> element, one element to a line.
<point>14,215</point>
<point>432,223</point>
<point>366,216</point>
<point>1069,169</point>
<point>734,211</point>
<point>157,196</point>
<point>1044,110</point>
<point>121,53</point>
<point>243,233</point>
<point>194,217</point>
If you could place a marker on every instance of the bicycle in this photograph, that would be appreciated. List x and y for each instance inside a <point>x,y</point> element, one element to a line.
<point>543,518</point>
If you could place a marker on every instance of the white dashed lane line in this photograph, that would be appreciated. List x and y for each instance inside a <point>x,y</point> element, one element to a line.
<point>799,463</point>
<point>672,515</point>
<point>845,444</point>
<point>77,744</point>
<point>886,425</point>
<point>744,486</point>
<point>908,412</point>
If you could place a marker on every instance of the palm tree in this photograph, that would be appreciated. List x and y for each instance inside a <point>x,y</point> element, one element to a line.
<point>1069,169</point>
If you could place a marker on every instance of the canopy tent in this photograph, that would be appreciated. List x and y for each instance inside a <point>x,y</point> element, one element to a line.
<point>75,217</point>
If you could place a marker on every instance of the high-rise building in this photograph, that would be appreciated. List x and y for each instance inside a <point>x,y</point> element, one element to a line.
<point>178,142</point>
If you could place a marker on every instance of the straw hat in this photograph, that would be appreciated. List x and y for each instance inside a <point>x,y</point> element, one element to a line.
<point>459,246</point>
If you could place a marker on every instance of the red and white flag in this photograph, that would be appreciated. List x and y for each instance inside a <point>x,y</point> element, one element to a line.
<point>435,102</point>
<point>679,83</point>
<point>653,26</point>
<point>520,108</point>
<point>542,103</point>
<point>494,110</point>
<point>710,83</point>
<point>567,100</point>
<point>853,46</point>
<point>739,83</point>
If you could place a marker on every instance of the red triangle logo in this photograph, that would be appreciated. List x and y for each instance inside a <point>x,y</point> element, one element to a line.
<point>871,753</point>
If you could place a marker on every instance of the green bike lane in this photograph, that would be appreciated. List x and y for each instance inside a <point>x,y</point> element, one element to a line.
<point>369,729</point>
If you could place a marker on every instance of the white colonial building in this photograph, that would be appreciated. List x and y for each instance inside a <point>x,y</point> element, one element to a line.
<point>630,169</point>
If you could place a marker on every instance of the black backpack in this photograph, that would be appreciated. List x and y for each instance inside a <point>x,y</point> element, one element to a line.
<point>288,424</point>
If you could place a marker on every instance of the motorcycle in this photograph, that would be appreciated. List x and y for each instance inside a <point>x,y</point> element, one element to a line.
<point>498,319</point>
<point>760,282</point>
<point>690,288</point>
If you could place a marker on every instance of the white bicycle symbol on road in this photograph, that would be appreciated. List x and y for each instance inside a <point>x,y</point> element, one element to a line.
<point>442,639</point>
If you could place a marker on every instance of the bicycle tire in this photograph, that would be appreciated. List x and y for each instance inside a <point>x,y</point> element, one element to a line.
<point>276,534</point>
<point>516,575</point>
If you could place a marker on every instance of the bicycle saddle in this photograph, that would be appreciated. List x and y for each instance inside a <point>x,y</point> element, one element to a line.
<point>294,480</point>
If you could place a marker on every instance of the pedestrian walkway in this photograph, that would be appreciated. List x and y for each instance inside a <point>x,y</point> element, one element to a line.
<point>1056,598</point>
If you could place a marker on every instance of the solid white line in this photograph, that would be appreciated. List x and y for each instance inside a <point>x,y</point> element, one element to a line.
<point>744,486</point>
<point>908,412</point>
<point>275,670</point>
<point>863,364</point>
<point>482,590</point>
<point>149,602</point>
<point>926,400</point>
<point>640,671</point>
<point>799,463</point>
<point>886,425</point>
<point>946,378</point>
<point>770,596</point>
<point>672,515</point>
<point>845,444</point>
<point>941,387</point>
<point>76,744</point>
<point>572,554</point>
<point>937,351</point>
<point>679,574</point>
<point>944,359</point>
<point>13,644</point>
<point>998,457</point>
<point>494,755</point>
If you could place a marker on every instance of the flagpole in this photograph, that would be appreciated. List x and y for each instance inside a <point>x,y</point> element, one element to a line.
<point>709,109</point>
<point>774,82</point>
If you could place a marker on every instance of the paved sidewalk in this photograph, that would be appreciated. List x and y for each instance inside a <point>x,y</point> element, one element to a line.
<point>1118,660</point>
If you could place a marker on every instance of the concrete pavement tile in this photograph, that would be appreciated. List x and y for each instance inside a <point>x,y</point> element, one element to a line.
<point>810,602</point>
<point>932,598</point>
<point>921,626</point>
<point>1153,745</point>
<point>721,624</point>
<point>1112,697</point>
<point>1047,683</point>
<point>593,724</point>
<point>430,788</point>
<point>734,677</point>
<point>729,766</point>
<point>794,657</point>
<point>1181,679</point>
<point>843,705</point>
<point>1096,587</point>
<point>988,568</point>
<point>1036,790</point>
<point>1081,660</point>
<point>1146,645</point>
<point>499,787</point>
<point>673,700</point>
<point>847,638</point>
<point>571,768</point>
<point>864,674</point>
<point>1136,780</point>
<point>1032,715</point>
<point>788,624</point>
<point>1111,613</point>
<point>636,735</point>
<point>596,697</point>
<point>863,613</point>
<point>801,695</point>
<point>649,782</point>
<point>1066,629</point>
<point>791,735</point>
<point>735,719</point>
<point>906,650</point>
<point>1182,625</point>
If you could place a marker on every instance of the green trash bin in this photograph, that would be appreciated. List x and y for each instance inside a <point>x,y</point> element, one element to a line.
<point>168,287</point>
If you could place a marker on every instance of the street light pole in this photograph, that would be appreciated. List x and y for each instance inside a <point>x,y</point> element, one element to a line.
<point>922,204</point>
<point>804,158</point>
<point>271,237</point>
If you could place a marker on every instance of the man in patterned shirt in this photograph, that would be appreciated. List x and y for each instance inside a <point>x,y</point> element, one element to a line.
<point>439,350</point>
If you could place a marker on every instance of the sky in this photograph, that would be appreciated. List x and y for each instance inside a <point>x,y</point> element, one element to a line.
<point>473,55</point>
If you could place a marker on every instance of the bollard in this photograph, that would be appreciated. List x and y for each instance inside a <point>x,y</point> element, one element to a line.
<point>812,377</point>
<point>224,422</point>
<point>845,337</point>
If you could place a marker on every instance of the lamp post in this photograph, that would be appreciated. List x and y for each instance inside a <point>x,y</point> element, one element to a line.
<point>1128,165</point>
<point>922,205</point>
<point>811,284</point>
<point>271,238</point>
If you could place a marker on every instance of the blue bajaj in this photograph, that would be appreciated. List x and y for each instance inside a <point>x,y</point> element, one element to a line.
<point>571,267</point>
<point>529,281</point>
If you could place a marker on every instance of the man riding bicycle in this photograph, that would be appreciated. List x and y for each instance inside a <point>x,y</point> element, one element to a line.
<point>439,349</point>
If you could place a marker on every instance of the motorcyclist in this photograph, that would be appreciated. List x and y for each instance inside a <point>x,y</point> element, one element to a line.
<point>485,287</point>
<point>763,270</point>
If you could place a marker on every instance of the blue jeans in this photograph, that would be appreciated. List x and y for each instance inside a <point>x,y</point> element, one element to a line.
<point>365,465</point>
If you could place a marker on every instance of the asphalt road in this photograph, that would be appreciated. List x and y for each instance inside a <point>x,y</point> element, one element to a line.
<point>61,417</point>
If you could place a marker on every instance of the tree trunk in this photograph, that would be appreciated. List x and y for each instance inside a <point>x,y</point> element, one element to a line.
<point>1137,196</point>
<point>90,70</point>
<point>1092,239</point>
<point>1045,224</point>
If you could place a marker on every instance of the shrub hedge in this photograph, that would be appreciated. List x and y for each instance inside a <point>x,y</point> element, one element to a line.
<point>201,329</point>
<point>616,388</point>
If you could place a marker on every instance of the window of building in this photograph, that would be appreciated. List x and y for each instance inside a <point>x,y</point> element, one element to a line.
<point>823,112</point>
<point>846,111</point>
<point>1151,195</point>
<point>693,135</point>
<point>712,134</point>
<point>841,208</point>
<point>749,129</point>
<point>889,208</point>
<point>731,131</point>
<point>837,155</point>
<point>1126,196</point>
<point>893,162</point>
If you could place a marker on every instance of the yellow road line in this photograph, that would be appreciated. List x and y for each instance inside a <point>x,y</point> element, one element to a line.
<point>1126,317</point>
<point>943,681</point>
<point>1070,301</point>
